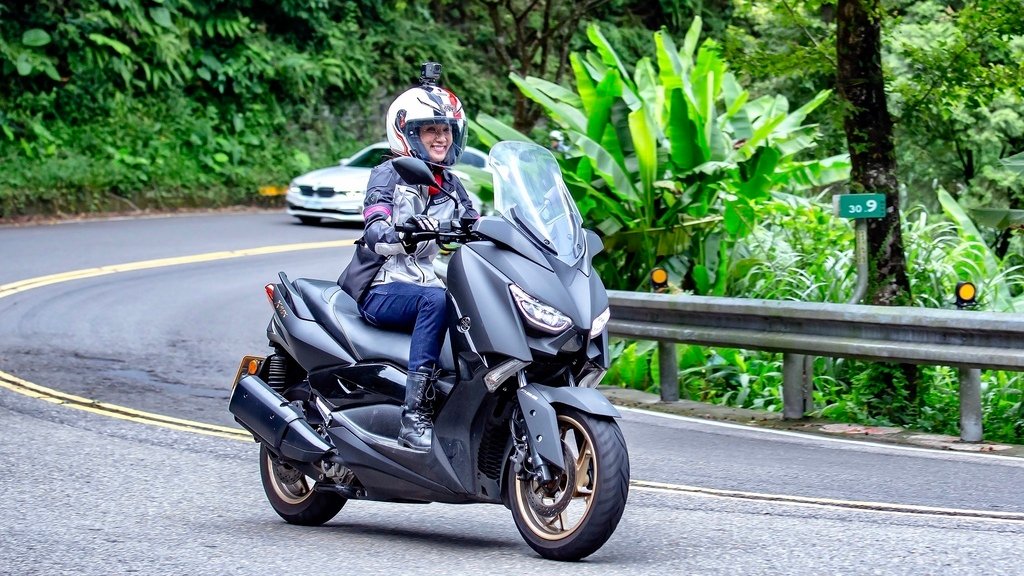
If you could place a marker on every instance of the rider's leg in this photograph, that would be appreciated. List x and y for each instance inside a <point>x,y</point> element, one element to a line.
<point>424,310</point>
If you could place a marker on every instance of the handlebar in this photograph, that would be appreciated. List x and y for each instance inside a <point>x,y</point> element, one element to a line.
<point>448,231</point>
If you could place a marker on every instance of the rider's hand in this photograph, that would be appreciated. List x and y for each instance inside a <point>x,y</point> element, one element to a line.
<point>426,228</point>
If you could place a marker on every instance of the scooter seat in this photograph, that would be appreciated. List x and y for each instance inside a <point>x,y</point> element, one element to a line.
<point>339,314</point>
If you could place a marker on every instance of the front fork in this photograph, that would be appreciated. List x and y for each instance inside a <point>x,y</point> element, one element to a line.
<point>538,444</point>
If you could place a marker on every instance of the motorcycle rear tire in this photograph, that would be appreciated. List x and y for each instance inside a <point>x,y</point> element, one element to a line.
<point>591,511</point>
<point>293,497</point>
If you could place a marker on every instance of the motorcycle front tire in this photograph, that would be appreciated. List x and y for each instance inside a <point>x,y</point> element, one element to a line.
<point>573,516</point>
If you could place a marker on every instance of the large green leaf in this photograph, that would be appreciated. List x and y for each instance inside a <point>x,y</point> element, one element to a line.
<point>998,218</point>
<point>642,129</point>
<point>795,118</point>
<point>1015,163</point>
<point>608,91</point>
<point>35,38</point>
<point>690,44</point>
<point>759,184</point>
<point>566,113</point>
<point>686,147</point>
<point>609,169</point>
<point>492,130</point>
<point>647,88</point>
<point>736,112</point>
<point>585,85</point>
<point>556,92</point>
<point>670,67</point>
<point>813,173</point>
<point>608,54</point>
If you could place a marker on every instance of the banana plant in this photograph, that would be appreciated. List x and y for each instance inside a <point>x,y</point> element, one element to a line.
<point>670,161</point>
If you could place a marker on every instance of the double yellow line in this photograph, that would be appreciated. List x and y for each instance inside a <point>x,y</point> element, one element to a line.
<point>13,383</point>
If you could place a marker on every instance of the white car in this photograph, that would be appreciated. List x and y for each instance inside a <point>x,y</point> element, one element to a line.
<point>337,192</point>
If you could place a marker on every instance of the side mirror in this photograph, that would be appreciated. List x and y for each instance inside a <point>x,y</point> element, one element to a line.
<point>414,171</point>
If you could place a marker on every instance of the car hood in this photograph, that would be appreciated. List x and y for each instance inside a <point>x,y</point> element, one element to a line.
<point>341,178</point>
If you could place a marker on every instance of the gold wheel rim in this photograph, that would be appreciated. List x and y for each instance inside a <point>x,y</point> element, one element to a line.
<point>580,448</point>
<point>292,487</point>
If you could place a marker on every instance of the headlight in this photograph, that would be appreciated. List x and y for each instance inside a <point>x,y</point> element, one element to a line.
<point>293,189</point>
<point>600,322</point>
<point>538,314</point>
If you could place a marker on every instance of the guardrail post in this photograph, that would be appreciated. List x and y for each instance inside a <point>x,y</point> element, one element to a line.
<point>808,383</point>
<point>970,404</point>
<point>668,371</point>
<point>794,389</point>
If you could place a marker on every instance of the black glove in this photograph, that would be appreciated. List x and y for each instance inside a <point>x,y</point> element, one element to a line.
<point>426,229</point>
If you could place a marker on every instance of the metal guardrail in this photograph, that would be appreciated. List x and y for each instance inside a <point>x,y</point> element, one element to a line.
<point>801,330</point>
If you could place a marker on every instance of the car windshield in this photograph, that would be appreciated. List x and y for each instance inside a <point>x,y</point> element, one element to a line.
<point>368,158</point>
<point>529,193</point>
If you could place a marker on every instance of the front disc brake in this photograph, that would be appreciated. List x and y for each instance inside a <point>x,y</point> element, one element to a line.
<point>561,489</point>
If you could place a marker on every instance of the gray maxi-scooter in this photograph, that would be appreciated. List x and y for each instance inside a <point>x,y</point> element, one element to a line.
<point>517,417</point>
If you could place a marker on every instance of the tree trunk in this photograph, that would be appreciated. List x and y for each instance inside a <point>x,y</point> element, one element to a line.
<point>870,141</point>
<point>869,138</point>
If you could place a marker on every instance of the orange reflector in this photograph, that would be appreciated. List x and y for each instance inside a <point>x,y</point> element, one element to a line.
<point>966,291</point>
<point>659,276</point>
<point>254,366</point>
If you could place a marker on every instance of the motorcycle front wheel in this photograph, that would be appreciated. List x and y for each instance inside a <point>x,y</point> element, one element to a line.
<point>291,493</point>
<point>572,516</point>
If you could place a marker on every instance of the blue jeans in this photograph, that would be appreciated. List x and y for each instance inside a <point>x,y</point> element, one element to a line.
<point>406,307</point>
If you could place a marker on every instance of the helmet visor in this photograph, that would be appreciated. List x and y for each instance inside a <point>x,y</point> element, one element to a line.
<point>428,135</point>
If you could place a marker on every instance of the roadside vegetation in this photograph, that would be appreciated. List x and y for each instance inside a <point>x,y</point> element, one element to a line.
<point>706,142</point>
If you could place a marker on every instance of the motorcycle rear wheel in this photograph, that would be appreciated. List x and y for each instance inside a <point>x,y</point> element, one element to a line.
<point>577,512</point>
<point>292,496</point>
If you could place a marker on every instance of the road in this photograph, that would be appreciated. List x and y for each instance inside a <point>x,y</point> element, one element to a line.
<point>84,493</point>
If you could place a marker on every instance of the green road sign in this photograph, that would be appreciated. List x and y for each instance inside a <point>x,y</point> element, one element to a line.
<point>859,205</point>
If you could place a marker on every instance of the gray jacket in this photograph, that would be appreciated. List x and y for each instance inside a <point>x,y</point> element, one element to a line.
<point>389,201</point>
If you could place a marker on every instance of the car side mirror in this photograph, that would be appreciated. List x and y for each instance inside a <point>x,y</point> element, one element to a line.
<point>414,171</point>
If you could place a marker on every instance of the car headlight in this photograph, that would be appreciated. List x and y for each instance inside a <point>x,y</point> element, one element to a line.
<point>293,189</point>
<point>600,322</point>
<point>538,314</point>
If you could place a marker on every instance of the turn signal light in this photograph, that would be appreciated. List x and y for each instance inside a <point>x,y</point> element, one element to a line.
<point>253,367</point>
<point>270,293</point>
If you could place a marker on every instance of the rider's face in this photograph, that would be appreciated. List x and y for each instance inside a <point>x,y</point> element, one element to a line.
<point>437,139</point>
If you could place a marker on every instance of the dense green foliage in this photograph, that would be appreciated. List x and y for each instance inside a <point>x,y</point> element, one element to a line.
<point>672,161</point>
<point>106,104</point>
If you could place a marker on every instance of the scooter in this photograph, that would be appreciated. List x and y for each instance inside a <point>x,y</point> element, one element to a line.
<point>517,416</point>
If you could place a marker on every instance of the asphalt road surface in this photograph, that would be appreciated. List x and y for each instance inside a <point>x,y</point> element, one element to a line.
<point>83,493</point>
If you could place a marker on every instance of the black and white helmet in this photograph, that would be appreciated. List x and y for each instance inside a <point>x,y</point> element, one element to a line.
<point>421,106</point>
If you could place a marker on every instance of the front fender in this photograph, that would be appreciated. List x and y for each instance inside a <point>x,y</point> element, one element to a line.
<point>537,403</point>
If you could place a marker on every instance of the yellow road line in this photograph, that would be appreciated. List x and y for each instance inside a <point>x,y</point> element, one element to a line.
<point>40,281</point>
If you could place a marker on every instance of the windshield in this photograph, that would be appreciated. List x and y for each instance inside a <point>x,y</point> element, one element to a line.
<point>529,193</point>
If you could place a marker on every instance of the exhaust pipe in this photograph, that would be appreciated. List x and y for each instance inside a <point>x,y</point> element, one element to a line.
<point>275,422</point>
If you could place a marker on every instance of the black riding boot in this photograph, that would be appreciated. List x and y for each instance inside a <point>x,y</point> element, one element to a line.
<point>417,429</point>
